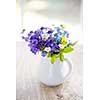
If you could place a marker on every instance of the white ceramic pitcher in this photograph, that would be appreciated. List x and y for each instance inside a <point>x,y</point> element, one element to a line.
<point>54,74</point>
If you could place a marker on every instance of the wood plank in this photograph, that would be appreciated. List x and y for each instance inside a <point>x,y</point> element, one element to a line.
<point>28,86</point>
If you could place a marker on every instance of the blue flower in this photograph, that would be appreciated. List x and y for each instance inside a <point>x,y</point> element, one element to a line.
<point>58,29</point>
<point>57,39</point>
<point>56,34</point>
<point>65,32</point>
<point>60,33</point>
<point>44,53</point>
<point>67,35</point>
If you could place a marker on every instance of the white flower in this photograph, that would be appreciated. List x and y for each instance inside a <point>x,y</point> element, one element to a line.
<point>47,49</point>
<point>45,36</point>
<point>61,46</point>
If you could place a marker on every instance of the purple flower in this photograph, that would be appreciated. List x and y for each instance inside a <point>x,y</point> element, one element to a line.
<point>34,37</point>
<point>50,31</point>
<point>48,44</point>
<point>45,37</point>
<point>34,50</point>
<point>35,41</point>
<point>54,46</point>
<point>31,38</point>
<point>38,32</point>
<point>30,33</point>
<point>43,42</point>
<point>42,28</point>
<point>49,39</point>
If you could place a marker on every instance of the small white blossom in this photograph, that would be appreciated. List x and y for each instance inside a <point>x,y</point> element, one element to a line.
<point>47,49</point>
<point>61,46</point>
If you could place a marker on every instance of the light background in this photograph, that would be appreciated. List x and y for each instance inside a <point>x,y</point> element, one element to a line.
<point>32,14</point>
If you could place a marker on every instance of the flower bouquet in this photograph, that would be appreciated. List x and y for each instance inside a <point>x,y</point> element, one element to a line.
<point>52,42</point>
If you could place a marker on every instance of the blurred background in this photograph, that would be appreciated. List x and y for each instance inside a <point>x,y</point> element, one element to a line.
<point>35,13</point>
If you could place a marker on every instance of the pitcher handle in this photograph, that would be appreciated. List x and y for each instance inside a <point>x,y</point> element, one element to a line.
<point>70,68</point>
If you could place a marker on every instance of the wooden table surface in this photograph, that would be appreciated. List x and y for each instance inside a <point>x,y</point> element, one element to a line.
<point>28,86</point>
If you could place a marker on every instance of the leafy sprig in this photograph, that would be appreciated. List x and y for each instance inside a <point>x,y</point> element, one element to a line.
<point>60,54</point>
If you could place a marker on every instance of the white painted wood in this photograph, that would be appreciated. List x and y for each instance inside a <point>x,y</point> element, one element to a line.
<point>29,88</point>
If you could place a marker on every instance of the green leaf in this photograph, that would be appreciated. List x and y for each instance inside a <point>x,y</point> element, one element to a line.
<point>49,54</point>
<point>62,26</point>
<point>53,58</point>
<point>42,47</point>
<point>62,57</point>
<point>61,50</point>
<point>64,42</point>
<point>72,44</point>
<point>68,49</point>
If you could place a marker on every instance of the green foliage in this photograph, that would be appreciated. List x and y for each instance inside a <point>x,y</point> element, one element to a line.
<point>42,47</point>
<point>60,53</point>
<point>62,26</point>
<point>72,44</point>
<point>61,57</point>
<point>49,54</point>
<point>68,49</point>
<point>53,58</point>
